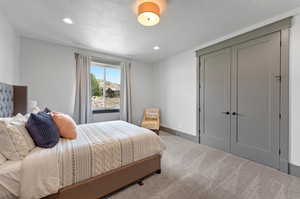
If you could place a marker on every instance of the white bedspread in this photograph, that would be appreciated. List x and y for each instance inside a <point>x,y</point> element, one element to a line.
<point>39,173</point>
<point>99,147</point>
<point>9,179</point>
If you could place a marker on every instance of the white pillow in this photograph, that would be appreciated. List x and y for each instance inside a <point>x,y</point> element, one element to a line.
<point>19,122</point>
<point>7,147</point>
<point>34,110</point>
<point>15,142</point>
<point>20,117</point>
<point>2,159</point>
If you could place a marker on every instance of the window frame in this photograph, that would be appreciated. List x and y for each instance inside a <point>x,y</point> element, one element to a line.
<point>112,110</point>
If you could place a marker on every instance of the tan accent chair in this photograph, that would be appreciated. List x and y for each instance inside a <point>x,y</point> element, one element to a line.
<point>151,119</point>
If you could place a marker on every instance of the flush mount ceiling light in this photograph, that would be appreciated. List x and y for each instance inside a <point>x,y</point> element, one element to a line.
<point>149,14</point>
<point>67,21</point>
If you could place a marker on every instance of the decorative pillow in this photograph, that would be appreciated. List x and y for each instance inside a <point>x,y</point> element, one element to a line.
<point>15,143</point>
<point>46,110</point>
<point>2,159</point>
<point>20,117</point>
<point>42,130</point>
<point>36,110</point>
<point>33,110</point>
<point>65,124</point>
<point>18,123</point>
<point>152,115</point>
<point>7,146</point>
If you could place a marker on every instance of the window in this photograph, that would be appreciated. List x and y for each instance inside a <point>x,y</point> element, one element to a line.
<point>105,86</point>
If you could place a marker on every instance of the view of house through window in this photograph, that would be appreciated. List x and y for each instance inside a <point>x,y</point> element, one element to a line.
<point>105,85</point>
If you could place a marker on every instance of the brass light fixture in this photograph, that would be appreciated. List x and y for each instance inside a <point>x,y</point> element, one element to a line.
<point>149,14</point>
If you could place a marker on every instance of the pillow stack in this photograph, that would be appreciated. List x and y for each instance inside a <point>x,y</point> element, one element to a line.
<point>15,142</point>
<point>20,134</point>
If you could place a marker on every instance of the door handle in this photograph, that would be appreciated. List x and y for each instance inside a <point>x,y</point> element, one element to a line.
<point>226,113</point>
<point>234,113</point>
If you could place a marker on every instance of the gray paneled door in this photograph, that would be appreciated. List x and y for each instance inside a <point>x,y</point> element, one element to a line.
<point>255,100</point>
<point>240,99</point>
<point>215,98</point>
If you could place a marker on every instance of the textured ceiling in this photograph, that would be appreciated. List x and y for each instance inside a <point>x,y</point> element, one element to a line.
<point>110,26</point>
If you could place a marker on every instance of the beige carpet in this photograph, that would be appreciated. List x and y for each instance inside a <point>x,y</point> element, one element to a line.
<point>191,170</point>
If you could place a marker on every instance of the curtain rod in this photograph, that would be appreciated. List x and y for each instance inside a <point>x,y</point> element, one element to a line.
<point>106,64</point>
<point>99,55</point>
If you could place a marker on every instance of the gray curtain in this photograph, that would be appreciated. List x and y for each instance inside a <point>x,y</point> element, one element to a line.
<point>125,109</point>
<point>82,110</point>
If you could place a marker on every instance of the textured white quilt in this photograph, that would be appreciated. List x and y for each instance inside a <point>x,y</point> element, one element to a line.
<point>99,147</point>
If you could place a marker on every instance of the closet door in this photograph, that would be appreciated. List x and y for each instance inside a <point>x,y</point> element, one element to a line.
<point>215,99</point>
<point>255,100</point>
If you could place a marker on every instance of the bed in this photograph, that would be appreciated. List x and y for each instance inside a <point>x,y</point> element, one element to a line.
<point>9,179</point>
<point>104,158</point>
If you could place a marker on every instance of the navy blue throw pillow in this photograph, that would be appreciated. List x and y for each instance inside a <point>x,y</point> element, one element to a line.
<point>42,130</point>
<point>46,110</point>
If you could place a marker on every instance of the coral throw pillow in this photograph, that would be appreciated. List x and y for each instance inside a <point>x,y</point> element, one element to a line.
<point>65,124</point>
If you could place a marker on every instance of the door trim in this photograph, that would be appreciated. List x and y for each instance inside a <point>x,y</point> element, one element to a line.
<point>284,102</point>
<point>265,30</point>
<point>282,26</point>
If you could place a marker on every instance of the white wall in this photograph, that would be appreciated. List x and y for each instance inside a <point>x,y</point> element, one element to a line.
<point>175,80</point>
<point>9,53</point>
<point>295,92</point>
<point>49,71</point>
<point>142,91</point>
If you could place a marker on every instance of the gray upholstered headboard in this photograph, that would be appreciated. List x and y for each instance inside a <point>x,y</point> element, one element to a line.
<point>6,100</point>
<point>13,100</point>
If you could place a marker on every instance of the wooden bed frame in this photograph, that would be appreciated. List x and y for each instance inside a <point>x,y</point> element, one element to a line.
<point>110,181</point>
<point>14,101</point>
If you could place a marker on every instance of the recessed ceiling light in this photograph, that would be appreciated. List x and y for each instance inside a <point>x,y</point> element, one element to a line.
<point>156,48</point>
<point>68,21</point>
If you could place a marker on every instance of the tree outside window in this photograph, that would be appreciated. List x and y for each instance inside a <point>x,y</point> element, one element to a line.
<point>105,88</point>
